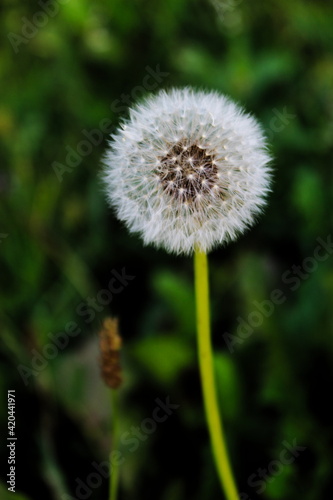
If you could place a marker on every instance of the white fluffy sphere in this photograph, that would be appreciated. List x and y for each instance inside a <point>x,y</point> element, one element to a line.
<point>188,170</point>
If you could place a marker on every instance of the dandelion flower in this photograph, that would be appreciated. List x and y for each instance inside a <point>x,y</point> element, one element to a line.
<point>188,170</point>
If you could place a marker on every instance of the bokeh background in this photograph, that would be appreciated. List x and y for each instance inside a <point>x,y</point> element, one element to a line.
<point>75,69</point>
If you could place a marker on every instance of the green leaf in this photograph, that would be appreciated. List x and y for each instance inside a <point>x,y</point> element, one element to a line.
<point>163,357</point>
<point>179,295</point>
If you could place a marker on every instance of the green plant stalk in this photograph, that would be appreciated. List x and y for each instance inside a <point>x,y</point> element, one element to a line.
<point>114,469</point>
<point>207,377</point>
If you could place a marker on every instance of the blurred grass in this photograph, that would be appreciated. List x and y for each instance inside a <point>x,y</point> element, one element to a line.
<point>63,242</point>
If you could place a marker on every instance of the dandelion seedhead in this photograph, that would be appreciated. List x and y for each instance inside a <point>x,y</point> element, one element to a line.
<point>188,170</point>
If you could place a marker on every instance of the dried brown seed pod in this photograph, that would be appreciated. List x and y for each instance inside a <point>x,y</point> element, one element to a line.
<point>110,345</point>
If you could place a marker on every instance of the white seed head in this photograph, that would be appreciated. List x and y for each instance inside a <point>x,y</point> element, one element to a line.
<point>170,180</point>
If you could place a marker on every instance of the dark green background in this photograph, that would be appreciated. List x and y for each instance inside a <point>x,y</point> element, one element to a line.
<point>59,243</point>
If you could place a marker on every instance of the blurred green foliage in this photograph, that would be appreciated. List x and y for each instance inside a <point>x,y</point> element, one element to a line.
<point>59,242</point>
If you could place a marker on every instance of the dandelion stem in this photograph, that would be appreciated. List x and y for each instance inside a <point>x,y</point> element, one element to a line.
<point>114,469</point>
<point>207,377</point>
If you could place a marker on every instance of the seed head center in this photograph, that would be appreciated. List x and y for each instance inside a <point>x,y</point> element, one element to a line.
<point>187,172</point>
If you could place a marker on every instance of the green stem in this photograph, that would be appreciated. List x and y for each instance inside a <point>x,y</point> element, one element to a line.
<point>207,377</point>
<point>114,469</point>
